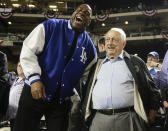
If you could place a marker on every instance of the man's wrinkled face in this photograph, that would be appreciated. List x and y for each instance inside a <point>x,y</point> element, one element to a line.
<point>114,44</point>
<point>81,17</point>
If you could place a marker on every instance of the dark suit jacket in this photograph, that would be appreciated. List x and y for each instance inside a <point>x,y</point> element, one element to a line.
<point>4,84</point>
<point>147,89</point>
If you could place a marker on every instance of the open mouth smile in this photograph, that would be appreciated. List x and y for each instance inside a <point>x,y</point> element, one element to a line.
<point>111,48</point>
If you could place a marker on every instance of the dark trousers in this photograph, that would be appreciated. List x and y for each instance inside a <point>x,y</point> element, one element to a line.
<point>166,120</point>
<point>12,121</point>
<point>30,112</point>
<point>75,117</point>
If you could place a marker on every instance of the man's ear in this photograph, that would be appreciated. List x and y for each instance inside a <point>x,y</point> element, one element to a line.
<point>124,43</point>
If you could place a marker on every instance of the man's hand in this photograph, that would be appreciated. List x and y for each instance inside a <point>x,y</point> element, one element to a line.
<point>38,90</point>
<point>151,117</point>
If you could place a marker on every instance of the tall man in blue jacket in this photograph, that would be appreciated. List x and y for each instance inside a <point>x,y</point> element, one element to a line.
<point>55,55</point>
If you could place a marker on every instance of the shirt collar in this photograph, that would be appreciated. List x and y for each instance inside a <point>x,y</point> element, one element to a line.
<point>119,57</point>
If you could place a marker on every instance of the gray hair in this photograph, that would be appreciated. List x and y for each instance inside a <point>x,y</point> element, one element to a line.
<point>122,33</point>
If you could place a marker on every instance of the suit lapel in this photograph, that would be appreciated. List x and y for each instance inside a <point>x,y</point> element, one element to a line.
<point>130,65</point>
<point>88,102</point>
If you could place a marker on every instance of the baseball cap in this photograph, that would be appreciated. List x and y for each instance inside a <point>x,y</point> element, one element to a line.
<point>154,54</point>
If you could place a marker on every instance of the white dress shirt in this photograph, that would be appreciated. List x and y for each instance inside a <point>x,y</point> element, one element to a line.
<point>114,85</point>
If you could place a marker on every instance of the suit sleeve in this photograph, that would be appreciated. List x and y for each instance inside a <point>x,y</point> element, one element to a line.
<point>153,90</point>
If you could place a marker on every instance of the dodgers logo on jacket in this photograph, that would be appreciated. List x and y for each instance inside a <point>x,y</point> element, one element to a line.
<point>83,56</point>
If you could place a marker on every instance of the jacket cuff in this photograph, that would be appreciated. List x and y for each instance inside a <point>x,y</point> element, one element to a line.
<point>34,78</point>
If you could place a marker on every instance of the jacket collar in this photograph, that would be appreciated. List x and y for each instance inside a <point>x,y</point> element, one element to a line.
<point>126,55</point>
<point>134,69</point>
<point>69,24</point>
<point>121,56</point>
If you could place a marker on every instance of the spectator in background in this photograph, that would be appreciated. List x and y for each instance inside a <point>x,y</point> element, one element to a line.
<point>101,48</point>
<point>161,80</point>
<point>161,77</point>
<point>5,83</point>
<point>153,62</point>
<point>14,95</point>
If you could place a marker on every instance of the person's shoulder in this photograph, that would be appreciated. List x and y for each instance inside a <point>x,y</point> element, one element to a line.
<point>2,54</point>
<point>137,58</point>
<point>132,57</point>
<point>87,36</point>
<point>86,33</point>
<point>55,21</point>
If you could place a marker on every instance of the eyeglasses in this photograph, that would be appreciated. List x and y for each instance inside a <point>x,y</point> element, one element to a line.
<point>115,40</point>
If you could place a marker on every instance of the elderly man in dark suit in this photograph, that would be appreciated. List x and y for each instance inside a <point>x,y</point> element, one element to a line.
<point>120,89</point>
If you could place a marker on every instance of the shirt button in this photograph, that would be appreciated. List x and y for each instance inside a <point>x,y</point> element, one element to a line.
<point>62,84</point>
<point>64,70</point>
<point>69,44</point>
<point>77,47</point>
<point>72,59</point>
